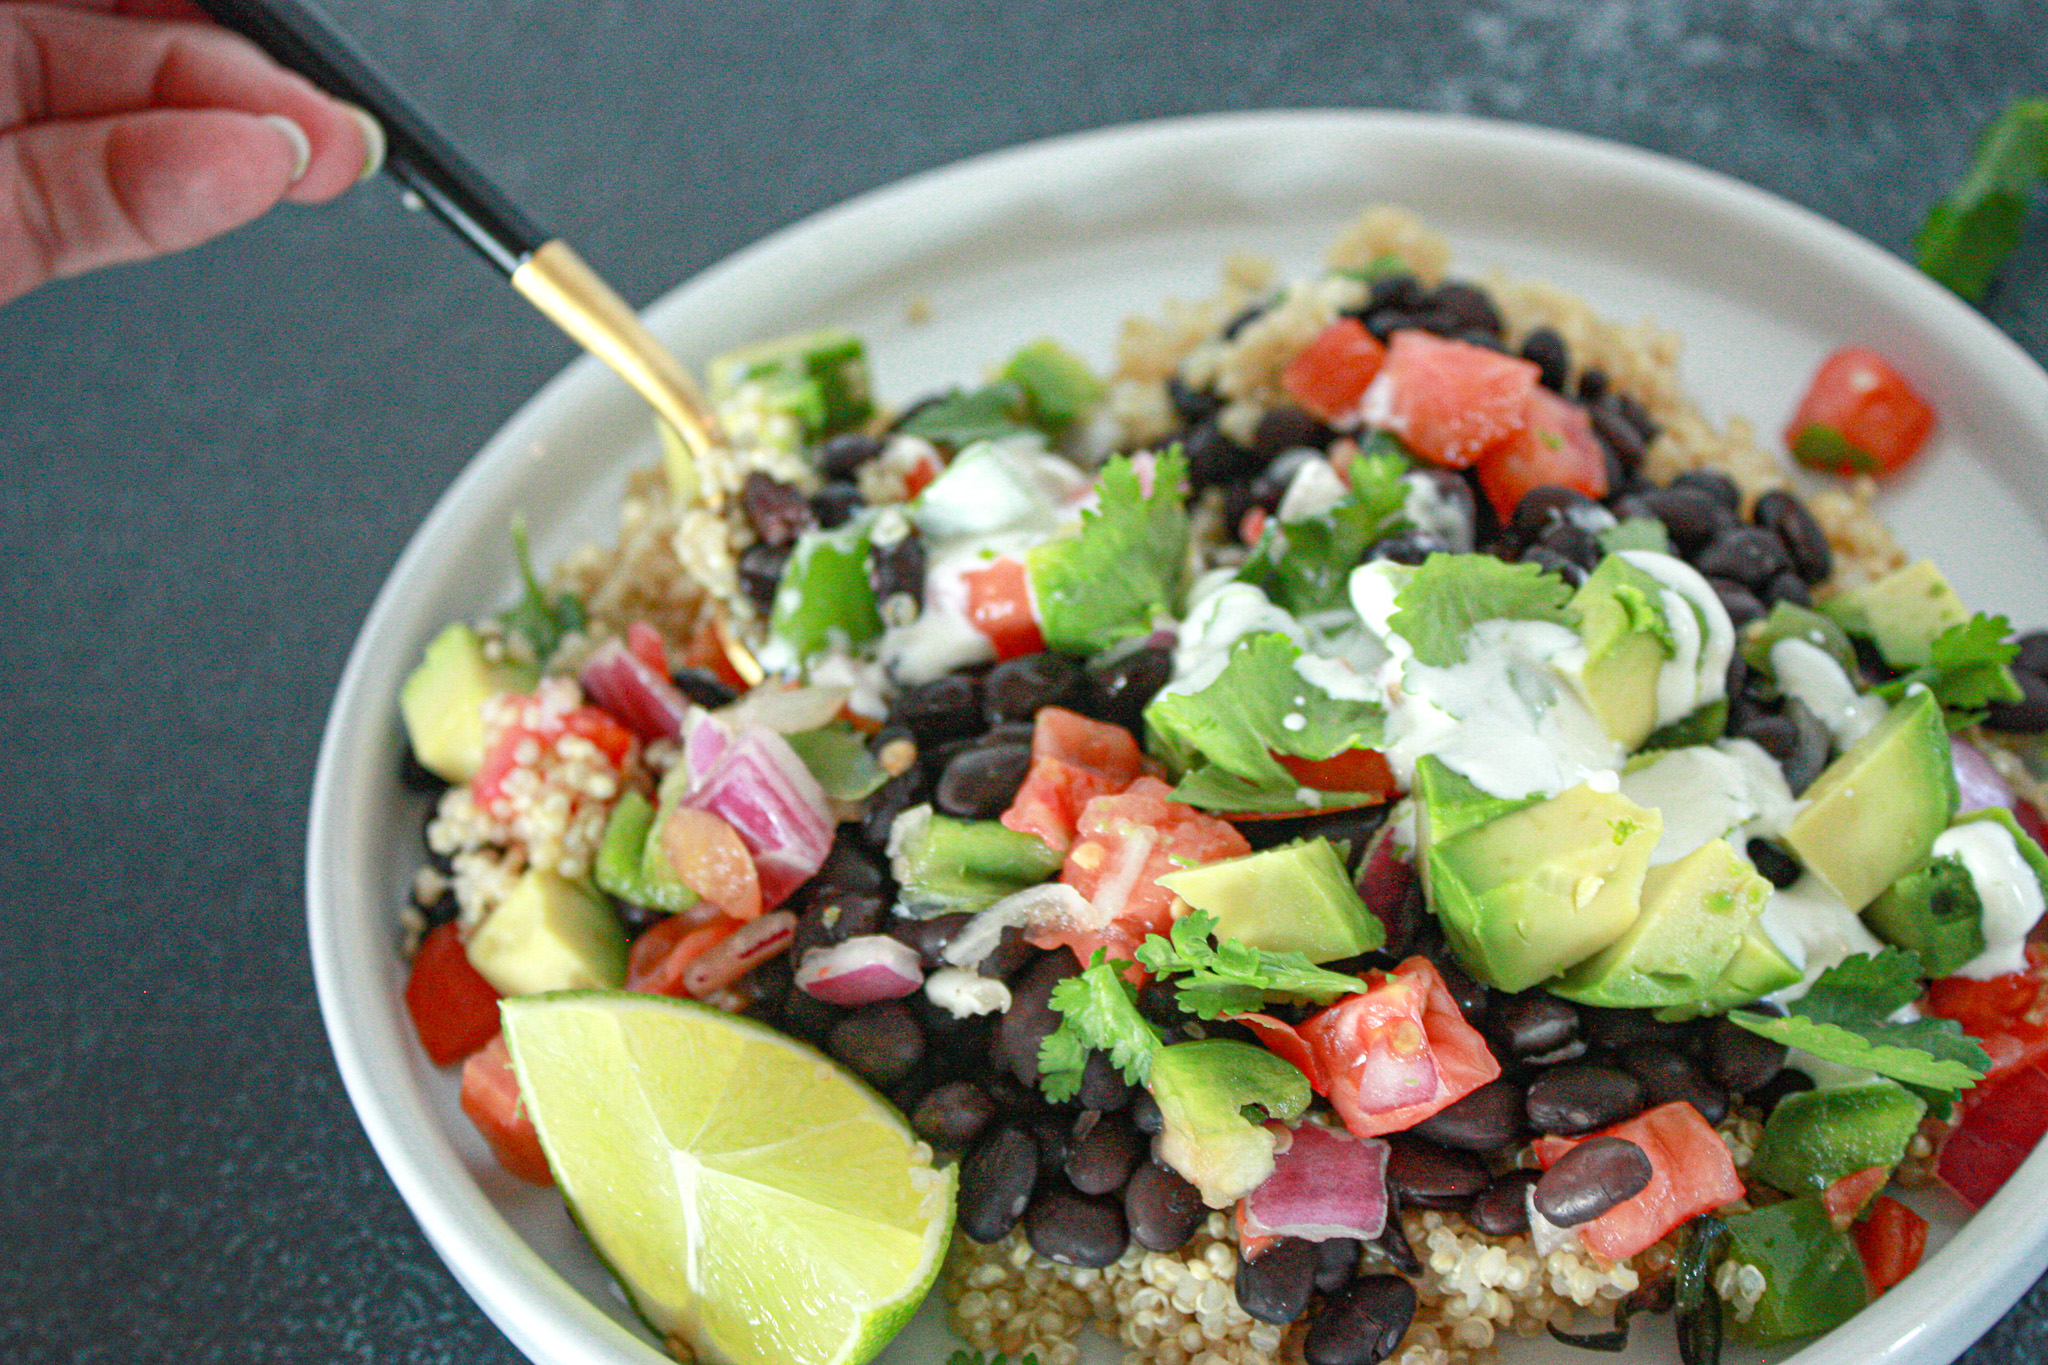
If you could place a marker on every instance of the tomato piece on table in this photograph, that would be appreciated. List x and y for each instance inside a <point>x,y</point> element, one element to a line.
<point>453,1008</point>
<point>1331,373</point>
<point>1397,1052</point>
<point>1073,761</point>
<point>1998,1124</point>
<point>999,605</point>
<point>490,1096</point>
<point>1123,844</point>
<point>1891,1239</point>
<point>1556,446</point>
<point>1690,1173</point>
<point>1448,401</point>
<point>1859,416</point>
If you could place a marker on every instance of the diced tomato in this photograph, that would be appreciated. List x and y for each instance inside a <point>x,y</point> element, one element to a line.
<point>1690,1173</point>
<point>541,725</point>
<point>1284,1040</point>
<point>490,1096</point>
<point>1556,446</point>
<point>1363,771</point>
<point>1250,1245</point>
<point>2030,820</point>
<point>707,651</point>
<point>1998,1124</point>
<point>999,606</point>
<point>1859,416</point>
<point>1449,401</point>
<point>645,642</point>
<point>922,471</point>
<point>1252,525</point>
<point>1397,1052</point>
<point>1846,1198</point>
<point>711,858</point>
<point>1073,761</point>
<point>2008,1014</point>
<point>660,955</point>
<point>454,1009</point>
<point>1331,373</point>
<point>1122,844</point>
<point>1891,1241</point>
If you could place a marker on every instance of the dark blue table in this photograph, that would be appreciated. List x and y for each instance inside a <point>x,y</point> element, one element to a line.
<point>211,463</point>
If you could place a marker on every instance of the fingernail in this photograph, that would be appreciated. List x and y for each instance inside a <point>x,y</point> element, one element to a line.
<point>302,146</point>
<point>373,140</point>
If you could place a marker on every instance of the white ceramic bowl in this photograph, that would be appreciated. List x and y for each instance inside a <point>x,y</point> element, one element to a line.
<point>944,274</point>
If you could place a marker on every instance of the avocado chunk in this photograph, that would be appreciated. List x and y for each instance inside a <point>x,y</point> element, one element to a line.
<point>1695,914</point>
<point>1903,613</point>
<point>1872,816</point>
<point>1203,1089</point>
<point>1525,896</point>
<point>442,702</point>
<point>1627,640</point>
<point>1757,969</point>
<point>820,378</point>
<point>1813,1278</point>
<point>630,863</point>
<point>825,599</point>
<point>1447,803</point>
<point>1296,898</point>
<point>1814,1139</point>
<point>946,864</point>
<point>549,934</point>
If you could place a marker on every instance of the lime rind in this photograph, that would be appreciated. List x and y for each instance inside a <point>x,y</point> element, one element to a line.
<point>752,1198</point>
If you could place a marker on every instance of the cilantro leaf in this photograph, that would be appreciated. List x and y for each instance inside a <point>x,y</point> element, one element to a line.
<point>543,620</point>
<point>1259,706</point>
<point>1127,566</point>
<point>1232,977</point>
<point>1968,235</point>
<point>1450,594</point>
<point>1636,533</point>
<point>1099,1012</point>
<point>1846,1015</point>
<point>1966,670</point>
<point>961,417</point>
<point>1305,565</point>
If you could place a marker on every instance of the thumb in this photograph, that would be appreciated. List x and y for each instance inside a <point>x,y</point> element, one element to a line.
<point>76,195</point>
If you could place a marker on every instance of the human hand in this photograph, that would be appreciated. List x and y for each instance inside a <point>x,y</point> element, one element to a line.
<point>133,128</point>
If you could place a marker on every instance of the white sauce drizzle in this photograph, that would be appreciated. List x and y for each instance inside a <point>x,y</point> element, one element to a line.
<point>1697,673</point>
<point>1813,928</point>
<point>1806,671</point>
<point>1733,789</point>
<point>2007,888</point>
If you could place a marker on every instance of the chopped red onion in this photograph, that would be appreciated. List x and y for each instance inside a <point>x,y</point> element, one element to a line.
<point>862,970</point>
<point>762,789</point>
<point>1050,905</point>
<point>1385,877</point>
<point>738,953</point>
<point>622,683</point>
<point>1978,784</point>
<point>1326,1183</point>
<point>786,710</point>
<point>705,741</point>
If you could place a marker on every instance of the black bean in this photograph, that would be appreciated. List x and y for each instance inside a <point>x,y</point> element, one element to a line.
<point>1741,604</point>
<point>1668,1076</point>
<point>848,866</point>
<point>1533,1023</point>
<point>996,1181</point>
<point>1574,542</point>
<point>1579,1097</point>
<point>953,1114</point>
<point>1714,484</point>
<point>1749,555</point>
<point>956,1047</point>
<point>1031,1017</point>
<point>1592,1178</point>
<point>1288,427</point>
<point>1810,752</point>
<point>1054,1132</point>
<point>1485,1121</point>
<point>1336,1262</point>
<point>1544,346</point>
<point>836,918</point>
<point>1617,433</point>
<point>1120,685</point>
<point>1786,587</point>
<point>1144,1113</point>
<point>1469,306</point>
<point>841,456</point>
<point>1361,1323</point>
<point>1383,322</point>
<point>760,572</point>
<point>1788,518</point>
<point>1071,1228</point>
<point>908,788</point>
<point>1545,506</point>
<point>1691,516</point>
<point>1778,867</point>
<point>807,1017</point>
<point>1617,1028</point>
<point>1592,384</point>
<point>1502,1208</point>
<point>980,784</point>
<point>1103,1087</point>
<point>2028,715</point>
<point>834,504</point>
<point>1103,1158</point>
<point>1550,561</point>
<point>1016,689</point>
<point>1428,1176</point>
<point>896,576</point>
<point>1396,289</point>
<point>1407,547</point>
<point>1741,1060</point>
<point>1189,403</point>
<point>1162,1209</point>
<point>1392,1242</point>
<point>1790,1081</point>
<point>929,937</point>
<point>777,511</point>
<point>1214,458</point>
<point>1638,416</point>
<point>1274,1285</point>
<point>2033,653</point>
<point>945,708</point>
<point>1775,735</point>
<point>703,687</point>
<point>882,1042</point>
<point>1471,998</point>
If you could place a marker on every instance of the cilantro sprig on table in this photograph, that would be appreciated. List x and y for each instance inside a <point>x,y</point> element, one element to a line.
<point>1305,565</point>
<point>1846,1017</point>
<point>1230,977</point>
<point>1449,594</point>
<point>1969,234</point>
<point>1966,670</point>
<point>1126,567</point>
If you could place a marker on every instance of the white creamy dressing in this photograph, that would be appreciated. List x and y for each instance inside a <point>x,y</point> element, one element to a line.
<point>1221,614</point>
<point>1430,512</point>
<point>1810,674</point>
<point>1732,789</point>
<point>1315,488</point>
<point>1701,633</point>
<point>942,638</point>
<point>1814,929</point>
<point>2007,888</point>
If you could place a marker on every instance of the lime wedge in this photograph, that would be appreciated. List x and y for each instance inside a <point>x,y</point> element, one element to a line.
<point>756,1202</point>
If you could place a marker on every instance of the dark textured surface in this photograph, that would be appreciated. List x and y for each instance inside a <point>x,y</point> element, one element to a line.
<point>211,462</point>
